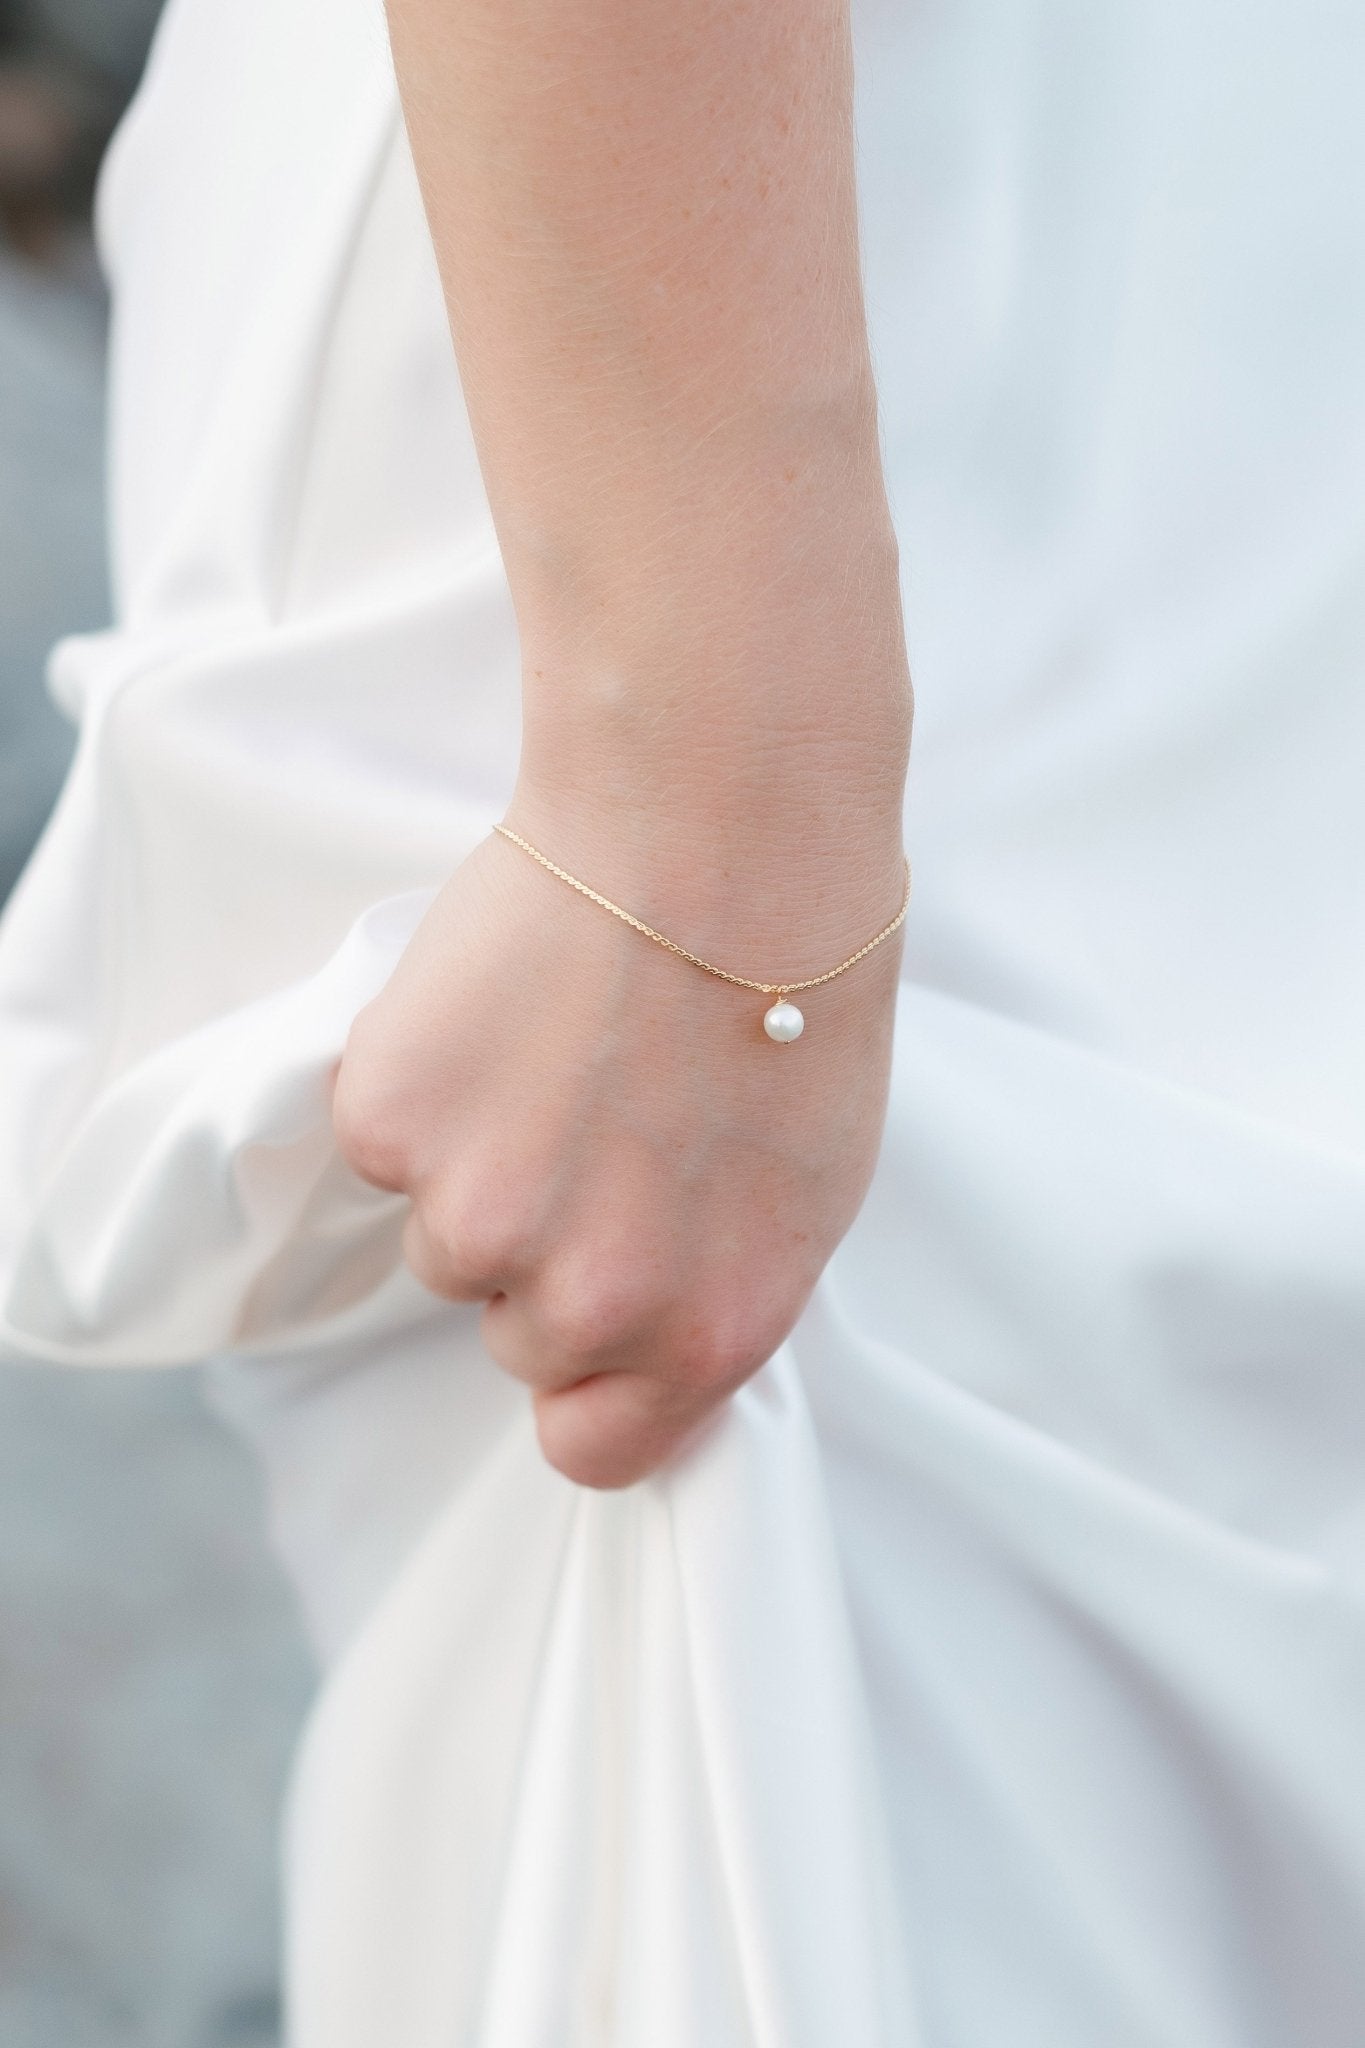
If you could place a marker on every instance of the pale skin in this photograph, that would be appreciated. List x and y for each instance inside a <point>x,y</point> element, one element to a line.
<point>644,214</point>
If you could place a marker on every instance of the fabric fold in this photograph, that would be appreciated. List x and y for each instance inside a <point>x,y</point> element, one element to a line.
<point>638,1771</point>
<point>992,1675</point>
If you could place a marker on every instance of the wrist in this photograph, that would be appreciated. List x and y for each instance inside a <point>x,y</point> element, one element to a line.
<point>775,882</point>
<point>769,826</point>
<point>719,729</point>
<point>771,675</point>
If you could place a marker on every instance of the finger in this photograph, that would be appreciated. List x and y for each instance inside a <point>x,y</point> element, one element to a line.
<point>616,1428</point>
<point>518,1342</point>
<point>573,1315</point>
<point>544,1354</point>
<point>454,1266</point>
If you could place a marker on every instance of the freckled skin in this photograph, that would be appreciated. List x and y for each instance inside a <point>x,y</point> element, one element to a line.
<point>644,213</point>
<point>643,1194</point>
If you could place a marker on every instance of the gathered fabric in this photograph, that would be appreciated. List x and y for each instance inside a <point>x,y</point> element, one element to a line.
<point>992,1675</point>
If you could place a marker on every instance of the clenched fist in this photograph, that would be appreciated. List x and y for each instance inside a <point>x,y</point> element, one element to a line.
<point>600,1143</point>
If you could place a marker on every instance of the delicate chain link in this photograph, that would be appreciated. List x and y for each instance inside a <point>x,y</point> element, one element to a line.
<point>762,988</point>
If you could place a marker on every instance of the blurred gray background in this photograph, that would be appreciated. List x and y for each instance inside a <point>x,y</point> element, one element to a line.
<point>152,1672</point>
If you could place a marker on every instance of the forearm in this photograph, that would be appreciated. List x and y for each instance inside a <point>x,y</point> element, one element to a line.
<point>644,216</point>
<point>644,213</point>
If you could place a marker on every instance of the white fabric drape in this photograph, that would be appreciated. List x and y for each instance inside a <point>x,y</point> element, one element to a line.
<point>993,1676</point>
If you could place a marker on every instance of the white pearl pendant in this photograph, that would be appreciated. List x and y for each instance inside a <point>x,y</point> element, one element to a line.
<point>783,1023</point>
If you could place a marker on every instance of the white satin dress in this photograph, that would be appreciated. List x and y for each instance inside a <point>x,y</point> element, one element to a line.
<point>993,1676</point>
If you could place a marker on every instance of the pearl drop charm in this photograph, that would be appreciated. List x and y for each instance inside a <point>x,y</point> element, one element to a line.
<point>784,1022</point>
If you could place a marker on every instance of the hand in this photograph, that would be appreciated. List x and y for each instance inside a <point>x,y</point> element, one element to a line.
<point>602,1145</point>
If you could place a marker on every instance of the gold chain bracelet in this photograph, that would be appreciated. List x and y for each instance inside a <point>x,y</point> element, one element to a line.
<point>783,1022</point>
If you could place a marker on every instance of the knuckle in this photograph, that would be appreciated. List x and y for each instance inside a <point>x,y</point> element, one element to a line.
<point>717,1358</point>
<point>482,1240</point>
<point>425,1259</point>
<point>710,1365</point>
<point>369,1134</point>
<point>589,1309</point>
